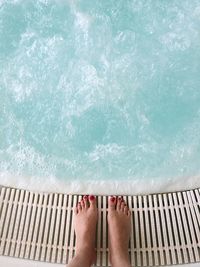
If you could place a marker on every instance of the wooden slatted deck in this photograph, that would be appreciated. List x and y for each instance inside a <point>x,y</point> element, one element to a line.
<point>39,226</point>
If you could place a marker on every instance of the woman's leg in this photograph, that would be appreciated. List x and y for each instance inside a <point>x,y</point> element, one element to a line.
<point>85,221</point>
<point>119,227</point>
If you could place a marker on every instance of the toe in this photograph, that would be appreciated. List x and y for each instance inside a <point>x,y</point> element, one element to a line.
<point>122,206</point>
<point>112,203</point>
<point>79,207</point>
<point>82,204</point>
<point>85,199</point>
<point>126,210</point>
<point>92,201</point>
<point>119,200</point>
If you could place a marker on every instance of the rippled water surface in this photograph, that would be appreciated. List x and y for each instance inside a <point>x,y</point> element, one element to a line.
<point>102,90</point>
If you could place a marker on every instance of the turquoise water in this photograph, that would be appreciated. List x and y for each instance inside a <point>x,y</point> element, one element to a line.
<point>102,90</point>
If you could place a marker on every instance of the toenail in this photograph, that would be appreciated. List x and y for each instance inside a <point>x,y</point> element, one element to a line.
<point>112,199</point>
<point>85,197</point>
<point>92,197</point>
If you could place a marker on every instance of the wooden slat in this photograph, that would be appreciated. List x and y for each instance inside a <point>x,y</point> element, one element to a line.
<point>67,233</point>
<point>2,195</point>
<point>179,227</point>
<point>12,223</point>
<point>130,205</point>
<point>32,226</point>
<point>51,228</point>
<point>17,223</point>
<point>185,230</point>
<point>158,230</point>
<point>174,228</point>
<point>56,232</point>
<point>148,232</point>
<point>169,230</point>
<point>142,230</point>
<point>7,221</point>
<point>99,227</point>
<point>137,232</point>
<point>164,230</point>
<point>36,226</point>
<point>46,228</point>
<point>191,232</point>
<point>196,217</point>
<point>62,229</point>
<point>26,226</point>
<point>195,230</point>
<point>153,231</point>
<point>104,233</point>
<point>42,228</point>
<point>21,224</point>
<point>3,218</point>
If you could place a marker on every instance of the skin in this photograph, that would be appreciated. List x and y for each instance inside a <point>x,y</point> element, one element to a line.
<point>119,226</point>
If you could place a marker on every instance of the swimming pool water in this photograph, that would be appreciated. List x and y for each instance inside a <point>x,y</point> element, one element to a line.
<point>99,91</point>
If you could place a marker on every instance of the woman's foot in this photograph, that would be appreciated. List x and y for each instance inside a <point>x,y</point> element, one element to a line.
<point>119,226</point>
<point>85,221</point>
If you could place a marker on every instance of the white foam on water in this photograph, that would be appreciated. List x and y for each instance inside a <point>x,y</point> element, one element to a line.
<point>103,187</point>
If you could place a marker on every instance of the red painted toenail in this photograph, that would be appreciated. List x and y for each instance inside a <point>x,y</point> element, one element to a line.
<point>85,197</point>
<point>92,197</point>
<point>112,199</point>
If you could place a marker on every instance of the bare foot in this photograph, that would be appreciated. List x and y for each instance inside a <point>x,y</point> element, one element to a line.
<point>119,225</point>
<point>85,221</point>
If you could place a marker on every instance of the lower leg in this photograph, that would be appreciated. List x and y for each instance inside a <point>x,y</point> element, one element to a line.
<point>119,223</point>
<point>85,220</point>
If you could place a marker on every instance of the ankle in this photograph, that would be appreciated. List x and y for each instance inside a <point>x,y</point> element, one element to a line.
<point>120,263</point>
<point>84,250</point>
<point>120,259</point>
<point>84,247</point>
<point>84,256</point>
